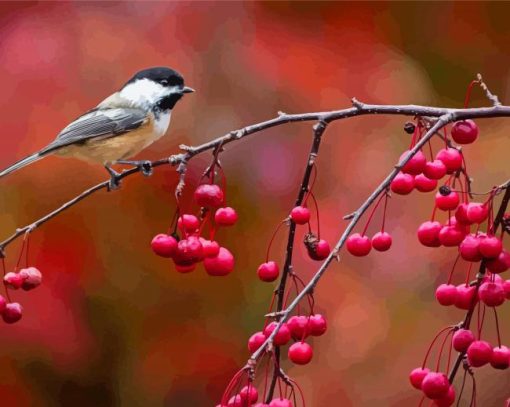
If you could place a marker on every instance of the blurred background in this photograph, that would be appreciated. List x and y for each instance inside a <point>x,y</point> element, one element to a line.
<point>114,325</point>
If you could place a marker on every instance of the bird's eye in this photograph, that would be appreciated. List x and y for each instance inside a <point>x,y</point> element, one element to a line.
<point>164,81</point>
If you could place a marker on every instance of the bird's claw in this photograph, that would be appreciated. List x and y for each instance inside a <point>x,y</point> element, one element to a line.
<point>144,166</point>
<point>114,182</point>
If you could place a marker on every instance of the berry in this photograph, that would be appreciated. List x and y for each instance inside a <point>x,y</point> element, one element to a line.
<point>434,169</point>
<point>13,280</point>
<point>506,287</point>
<point>235,401</point>
<point>465,296</point>
<point>461,214</point>
<point>12,312</point>
<point>189,251</point>
<point>358,245</point>
<point>477,212</point>
<point>435,385</point>
<point>281,337</point>
<point>300,353</point>
<point>468,248</point>
<point>317,249</point>
<point>32,278</point>
<point>447,202</point>
<point>417,375</point>
<point>479,353</point>
<point>221,265</point>
<point>402,184</point>
<point>499,264</point>
<point>416,163</point>
<point>209,195</point>
<point>500,358</point>
<point>300,215</point>
<point>428,233</point>
<point>447,400</point>
<point>164,245</point>
<point>188,223</point>
<point>268,271</point>
<point>446,294</point>
<point>299,326</point>
<point>225,216</point>
<point>462,339</point>
<point>318,325</point>
<point>424,184</point>
<point>451,158</point>
<point>211,247</point>
<point>185,268</point>
<point>249,394</point>
<point>464,131</point>
<point>490,247</point>
<point>256,341</point>
<point>3,303</point>
<point>381,241</point>
<point>492,294</point>
<point>280,402</point>
<point>451,236</point>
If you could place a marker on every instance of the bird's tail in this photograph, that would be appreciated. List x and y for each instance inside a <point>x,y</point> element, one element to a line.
<point>21,163</point>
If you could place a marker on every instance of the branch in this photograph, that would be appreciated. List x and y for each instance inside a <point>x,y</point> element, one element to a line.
<point>493,98</point>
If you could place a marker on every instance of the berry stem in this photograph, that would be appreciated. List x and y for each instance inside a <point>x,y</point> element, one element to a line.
<point>317,214</point>
<point>497,326</point>
<point>453,269</point>
<point>272,239</point>
<point>432,344</point>
<point>468,92</point>
<point>383,194</point>
<point>384,211</point>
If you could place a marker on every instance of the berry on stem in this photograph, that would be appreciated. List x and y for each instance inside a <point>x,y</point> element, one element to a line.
<point>209,195</point>
<point>381,241</point>
<point>280,402</point>
<point>317,325</point>
<point>299,326</point>
<point>435,385</point>
<point>469,250</point>
<point>499,264</point>
<point>465,296</point>
<point>491,294</point>
<point>451,236</point>
<point>477,212</point>
<point>282,336</point>
<point>424,184</point>
<point>451,158</point>
<point>428,233</point>
<point>249,394</point>
<point>462,339</point>
<point>32,278</point>
<point>300,353</point>
<point>464,131</point>
<point>13,280</point>
<point>416,163</point>
<point>256,341</point>
<point>300,215</point>
<point>446,294</point>
<point>447,202</point>
<point>220,265</point>
<point>417,375</point>
<point>12,312</point>
<point>447,400</point>
<point>402,184</point>
<point>188,223</point>
<point>434,169</point>
<point>225,216</point>
<point>479,353</point>
<point>268,271</point>
<point>358,245</point>
<point>490,247</point>
<point>164,245</point>
<point>189,251</point>
<point>211,247</point>
<point>500,358</point>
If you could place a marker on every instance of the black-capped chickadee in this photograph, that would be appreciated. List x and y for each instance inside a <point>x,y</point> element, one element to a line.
<point>120,126</point>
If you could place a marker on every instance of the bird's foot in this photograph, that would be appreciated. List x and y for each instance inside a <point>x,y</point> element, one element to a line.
<point>114,182</point>
<point>145,166</point>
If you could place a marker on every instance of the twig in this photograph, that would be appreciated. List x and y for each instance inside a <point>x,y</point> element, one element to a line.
<point>493,98</point>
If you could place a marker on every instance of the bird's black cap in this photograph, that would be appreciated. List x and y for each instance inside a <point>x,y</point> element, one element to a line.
<point>161,74</point>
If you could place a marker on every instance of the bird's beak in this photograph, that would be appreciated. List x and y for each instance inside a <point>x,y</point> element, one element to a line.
<point>187,89</point>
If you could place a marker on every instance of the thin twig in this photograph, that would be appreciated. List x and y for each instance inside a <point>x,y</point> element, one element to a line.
<point>493,98</point>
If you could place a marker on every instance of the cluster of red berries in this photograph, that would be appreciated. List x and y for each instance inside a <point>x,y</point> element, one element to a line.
<point>191,248</point>
<point>249,395</point>
<point>26,279</point>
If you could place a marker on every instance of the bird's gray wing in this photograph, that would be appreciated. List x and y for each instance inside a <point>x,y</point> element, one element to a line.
<point>98,123</point>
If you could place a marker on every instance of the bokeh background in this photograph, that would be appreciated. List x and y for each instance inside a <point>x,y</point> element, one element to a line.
<point>114,325</point>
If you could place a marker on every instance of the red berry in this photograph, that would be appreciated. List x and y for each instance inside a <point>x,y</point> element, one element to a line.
<point>451,236</point>
<point>209,195</point>
<point>12,312</point>
<point>256,341</point>
<point>268,271</point>
<point>461,214</point>
<point>300,353</point>
<point>236,401</point>
<point>164,245</point>
<point>500,358</point>
<point>477,212</point>
<point>416,163</point>
<point>299,326</point>
<point>434,169</point>
<point>318,325</point>
<point>447,202</point>
<point>479,353</point>
<point>454,222</point>
<point>358,245</point>
<point>490,247</point>
<point>424,184</point>
<point>464,131</point>
<point>300,215</point>
<point>188,223</point>
<point>320,250</point>
<point>32,278</point>
<point>281,337</point>
<point>13,280</point>
<point>221,265</point>
<point>402,184</point>
<point>465,296</point>
<point>462,339</point>
<point>468,248</point>
<point>499,264</point>
<point>189,251</point>
<point>506,287</point>
<point>428,233</point>
<point>3,303</point>
<point>451,158</point>
<point>435,385</point>
<point>249,394</point>
<point>417,375</point>
<point>185,268</point>
<point>492,294</point>
<point>211,247</point>
<point>381,241</point>
<point>447,400</point>
<point>446,294</point>
<point>225,216</point>
<point>280,403</point>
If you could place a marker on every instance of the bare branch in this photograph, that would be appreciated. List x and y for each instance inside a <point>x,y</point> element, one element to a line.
<point>493,98</point>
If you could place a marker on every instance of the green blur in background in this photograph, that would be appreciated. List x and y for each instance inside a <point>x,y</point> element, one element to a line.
<point>114,325</point>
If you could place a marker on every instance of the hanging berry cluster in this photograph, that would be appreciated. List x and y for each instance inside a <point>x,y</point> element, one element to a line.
<point>186,244</point>
<point>27,278</point>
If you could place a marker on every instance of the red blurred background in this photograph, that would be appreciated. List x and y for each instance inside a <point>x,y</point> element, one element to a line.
<point>113,325</point>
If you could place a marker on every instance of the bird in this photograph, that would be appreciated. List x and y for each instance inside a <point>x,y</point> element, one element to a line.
<point>121,126</point>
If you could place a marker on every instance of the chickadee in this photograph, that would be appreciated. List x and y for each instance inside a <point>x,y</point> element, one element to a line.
<point>120,126</point>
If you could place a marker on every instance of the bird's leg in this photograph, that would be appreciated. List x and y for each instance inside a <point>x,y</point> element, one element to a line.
<point>114,178</point>
<point>145,166</point>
